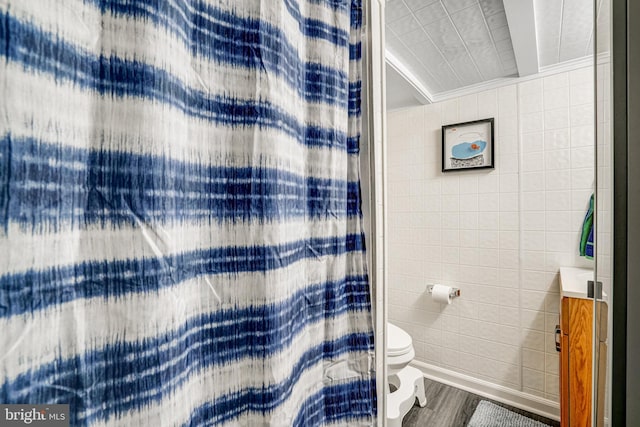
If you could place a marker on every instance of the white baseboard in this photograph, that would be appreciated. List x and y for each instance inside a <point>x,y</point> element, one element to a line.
<point>534,404</point>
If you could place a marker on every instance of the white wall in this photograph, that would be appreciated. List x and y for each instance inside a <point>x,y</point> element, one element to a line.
<point>498,235</point>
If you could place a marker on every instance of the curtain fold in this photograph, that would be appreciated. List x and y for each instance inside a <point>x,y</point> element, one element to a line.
<point>181,238</point>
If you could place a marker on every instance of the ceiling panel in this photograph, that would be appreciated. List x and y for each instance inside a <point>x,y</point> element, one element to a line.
<point>577,27</point>
<point>430,13</point>
<point>501,33</point>
<point>415,38</point>
<point>415,5</point>
<point>449,44</point>
<point>488,63</point>
<point>497,20</point>
<point>395,10</point>
<point>491,7</point>
<point>466,70</point>
<point>472,29</point>
<point>442,70</point>
<point>453,6</point>
<point>404,25</point>
<point>564,29</point>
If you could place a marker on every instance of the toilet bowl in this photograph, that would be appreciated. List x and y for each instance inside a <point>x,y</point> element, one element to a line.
<point>407,380</point>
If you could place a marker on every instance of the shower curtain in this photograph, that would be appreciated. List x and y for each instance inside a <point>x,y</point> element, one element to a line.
<point>181,232</point>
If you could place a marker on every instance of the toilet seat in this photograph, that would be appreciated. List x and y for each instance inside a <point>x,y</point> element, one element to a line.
<point>398,341</point>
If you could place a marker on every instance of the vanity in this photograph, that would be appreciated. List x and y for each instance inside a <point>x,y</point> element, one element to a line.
<point>574,341</point>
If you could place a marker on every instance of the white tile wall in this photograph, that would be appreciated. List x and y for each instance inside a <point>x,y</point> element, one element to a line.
<point>499,235</point>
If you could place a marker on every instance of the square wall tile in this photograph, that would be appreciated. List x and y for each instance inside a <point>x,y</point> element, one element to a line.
<point>558,200</point>
<point>556,119</point>
<point>488,183</point>
<point>509,240</point>
<point>532,181</point>
<point>507,127</point>
<point>508,202</point>
<point>489,202</point>
<point>582,136</point>
<point>469,108</point>
<point>530,87</point>
<point>533,162</point>
<point>533,319</point>
<point>488,239</point>
<point>487,104</point>
<point>533,340</point>
<point>469,202</point>
<point>533,260</point>
<point>510,221</point>
<point>531,103</point>
<point>533,201</point>
<point>533,221</point>
<point>469,184</point>
<point>450,111</point>
<point>551,363</point>
<point>582,115</point>
<point>556,139</point>
<point>581,76</point>
<point>508,163</point>
<point>532,142</point>
<point>509,297</point>
<point>507,101</point>
<point>556,98</point>
<point>533,359</point>
<point>532,122</point>
<point>552,384</point>
<point>450,185</point>
<point>533,379</point>
<point>510,316</point>
<point>556,81</point>
<point>582,157</point>
<point>558,179</point>
<point>469,220</point>
<point>557,159</point>
<point>533,300</point>
<point>533,240</point>
<point>582,94</point>
<point>509,259</point>
<point>558,221</point>
<point>509,277</point>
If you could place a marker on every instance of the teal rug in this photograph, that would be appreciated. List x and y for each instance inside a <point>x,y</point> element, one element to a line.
<point>488,414</point>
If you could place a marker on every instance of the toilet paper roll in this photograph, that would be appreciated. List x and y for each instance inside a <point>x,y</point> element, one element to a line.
<point>441,293</point>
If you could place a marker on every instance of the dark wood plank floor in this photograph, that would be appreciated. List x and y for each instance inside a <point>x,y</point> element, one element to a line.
<point>451,407</point>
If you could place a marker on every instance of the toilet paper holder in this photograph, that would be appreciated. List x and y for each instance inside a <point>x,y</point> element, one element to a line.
<point>455,292</point>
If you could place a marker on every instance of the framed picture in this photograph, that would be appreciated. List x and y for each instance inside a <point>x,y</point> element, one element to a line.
<point>468,145</point>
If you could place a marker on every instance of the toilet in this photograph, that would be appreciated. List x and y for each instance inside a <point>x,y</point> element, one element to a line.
<point>407,380</point>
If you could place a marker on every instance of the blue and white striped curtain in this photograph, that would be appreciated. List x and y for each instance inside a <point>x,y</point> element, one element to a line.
<point>181,238</point>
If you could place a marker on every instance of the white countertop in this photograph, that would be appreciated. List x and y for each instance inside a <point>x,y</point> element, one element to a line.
<point>573,281</point>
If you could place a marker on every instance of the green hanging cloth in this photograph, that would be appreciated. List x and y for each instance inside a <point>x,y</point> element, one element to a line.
<point>586,239</point>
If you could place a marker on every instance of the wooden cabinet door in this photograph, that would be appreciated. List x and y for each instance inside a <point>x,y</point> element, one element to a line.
<point>576,357</point>
<point>580,361</point>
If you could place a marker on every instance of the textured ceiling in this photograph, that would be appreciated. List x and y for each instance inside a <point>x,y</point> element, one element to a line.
<point>564,29</point>
<point>450,44</point>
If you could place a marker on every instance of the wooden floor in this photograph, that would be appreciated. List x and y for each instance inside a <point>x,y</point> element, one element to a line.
<point>450,407</point>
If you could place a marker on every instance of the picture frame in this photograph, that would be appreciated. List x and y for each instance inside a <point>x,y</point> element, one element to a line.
<point>468,146</point>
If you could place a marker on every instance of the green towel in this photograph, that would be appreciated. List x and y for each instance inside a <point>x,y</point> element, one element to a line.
<point>586,239</point>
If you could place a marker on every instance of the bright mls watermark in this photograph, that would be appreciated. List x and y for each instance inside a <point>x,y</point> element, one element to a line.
<point>34,415</point>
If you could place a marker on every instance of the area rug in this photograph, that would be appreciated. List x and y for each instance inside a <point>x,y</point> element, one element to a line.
<point>488,414</point>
